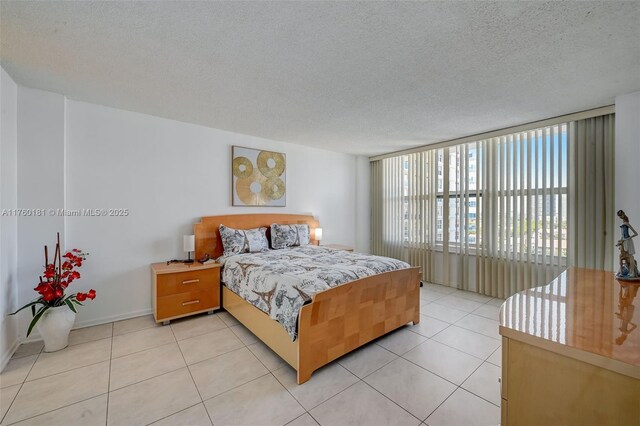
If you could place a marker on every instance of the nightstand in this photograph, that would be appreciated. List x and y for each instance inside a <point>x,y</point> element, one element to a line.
<point>179,290</point>
<point>339,247</point>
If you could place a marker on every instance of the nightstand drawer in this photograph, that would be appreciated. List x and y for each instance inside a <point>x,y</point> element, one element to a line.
<point>188,281</point>
<point>185,303</point>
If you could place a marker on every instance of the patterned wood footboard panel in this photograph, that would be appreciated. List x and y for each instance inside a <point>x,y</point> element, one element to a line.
<point>346,317</point>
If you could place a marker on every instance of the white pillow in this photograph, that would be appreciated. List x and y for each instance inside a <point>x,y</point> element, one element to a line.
<point>236,241</point>
<point>283,236</point>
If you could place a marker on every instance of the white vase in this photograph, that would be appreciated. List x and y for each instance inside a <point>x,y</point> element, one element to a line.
<point>54,327</point>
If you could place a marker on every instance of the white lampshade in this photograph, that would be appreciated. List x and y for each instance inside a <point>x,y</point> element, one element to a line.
<point>318,234</point>
<point>189,242</point>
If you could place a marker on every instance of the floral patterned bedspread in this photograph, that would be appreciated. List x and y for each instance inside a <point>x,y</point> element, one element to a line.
<point>279,282</point>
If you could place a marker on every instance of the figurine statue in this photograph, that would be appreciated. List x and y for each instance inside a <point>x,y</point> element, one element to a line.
<point>628,266</point>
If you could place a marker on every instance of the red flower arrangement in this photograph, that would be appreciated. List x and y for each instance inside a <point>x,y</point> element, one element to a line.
<point>57,277</point>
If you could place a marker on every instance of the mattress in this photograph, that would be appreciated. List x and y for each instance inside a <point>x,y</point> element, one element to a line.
<point>280,282</point>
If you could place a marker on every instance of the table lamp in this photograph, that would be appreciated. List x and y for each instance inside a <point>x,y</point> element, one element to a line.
<point>318,235</point>
<point>189,242</point>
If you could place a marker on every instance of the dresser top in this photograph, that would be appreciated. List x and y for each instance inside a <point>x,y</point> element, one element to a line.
<point>163,268</point>
<point>585,314</point>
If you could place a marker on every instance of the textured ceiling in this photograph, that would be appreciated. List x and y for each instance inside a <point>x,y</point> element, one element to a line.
<point>357,77</point>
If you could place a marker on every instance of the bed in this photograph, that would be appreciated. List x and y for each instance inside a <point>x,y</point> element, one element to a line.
<point>335,321</point>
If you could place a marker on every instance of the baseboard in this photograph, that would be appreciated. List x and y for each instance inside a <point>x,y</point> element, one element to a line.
<point>112,318</point>
<point>35,336</point>
<point>8,354</point>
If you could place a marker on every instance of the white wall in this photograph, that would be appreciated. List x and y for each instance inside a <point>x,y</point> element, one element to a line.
<point>40,184</point>
<point>8,223</point>
<point>75,155</point>
<point>627,156</point>
<point>168,174</point>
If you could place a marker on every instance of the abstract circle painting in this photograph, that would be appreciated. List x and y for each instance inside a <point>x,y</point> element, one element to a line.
<point>258,177</point>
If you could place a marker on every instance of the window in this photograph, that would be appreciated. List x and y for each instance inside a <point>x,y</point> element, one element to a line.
<point>525,177</point>
<point>512,202</point>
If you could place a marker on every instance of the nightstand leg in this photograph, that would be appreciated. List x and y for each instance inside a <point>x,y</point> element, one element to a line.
<point>165,322</point>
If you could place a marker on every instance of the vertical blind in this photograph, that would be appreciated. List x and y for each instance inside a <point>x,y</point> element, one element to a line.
<point>501,214</point>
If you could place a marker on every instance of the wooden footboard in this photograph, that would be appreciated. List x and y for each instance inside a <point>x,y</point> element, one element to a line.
<point>346,317</point>
<point>338,320</point>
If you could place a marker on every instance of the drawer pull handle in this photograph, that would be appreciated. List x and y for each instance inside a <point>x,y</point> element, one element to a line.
<point>190,281</point>
<point>191,302</point>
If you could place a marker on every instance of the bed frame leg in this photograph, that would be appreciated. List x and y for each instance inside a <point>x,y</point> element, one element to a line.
<point>303,376</point>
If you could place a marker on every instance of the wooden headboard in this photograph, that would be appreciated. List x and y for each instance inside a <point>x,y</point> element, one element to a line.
<point>208,235</point>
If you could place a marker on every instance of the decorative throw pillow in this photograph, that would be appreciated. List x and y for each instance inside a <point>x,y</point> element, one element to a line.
<point>283,236</point>
<point>236,241</point>
<point>257,239</point>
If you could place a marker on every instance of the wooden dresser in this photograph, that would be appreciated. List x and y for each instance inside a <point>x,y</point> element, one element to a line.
<point>180,290</point>
<point>571,352</point>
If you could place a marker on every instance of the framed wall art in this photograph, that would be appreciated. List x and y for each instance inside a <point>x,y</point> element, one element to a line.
<point>259,178</point>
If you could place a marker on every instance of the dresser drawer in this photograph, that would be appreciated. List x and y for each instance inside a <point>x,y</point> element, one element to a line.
<point>185,303</point>
<point>188,281</point>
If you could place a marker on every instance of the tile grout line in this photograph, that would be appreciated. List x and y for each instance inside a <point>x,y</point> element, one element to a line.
<point>22,383</point>
<point>377,369</point>
<point>220,394</point>
<point>88,365</point>
<point>455,390</point>
<point>289,392</point>
<point>33,365</point>
<point>130,384</point>
<point>331,397</point>
<point>213,357</point>
<point>187,367</point>
<point>269,371</point>
<point>70,369</point>
<point>56,409</point>
<point>472,392</point>
<point>359,379</point>
<point>134,331</point>
<point>459,326</point>
<point>141,350</point>
<point>311,415</point>
<point>190,375</point>
<point>487,360</point>
<point>291,421</point>
<point>194,317</point>
<point>455,289</point>
<point>466,353</point>
<point>200,335</point>
<point>65,371</point>
<point>177,412</point>
<point>440,405</point>
<point>317,405</point>
<point>444,344</point>
<point>436,374</point>
<point>343,390</point>
<point>168,372</point>
<point>458,386</point>
<point>411,414</point>
<point>453,293</point>
<point>228,390</point>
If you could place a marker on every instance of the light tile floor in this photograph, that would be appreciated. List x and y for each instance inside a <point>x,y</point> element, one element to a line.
<point>211,370</point>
